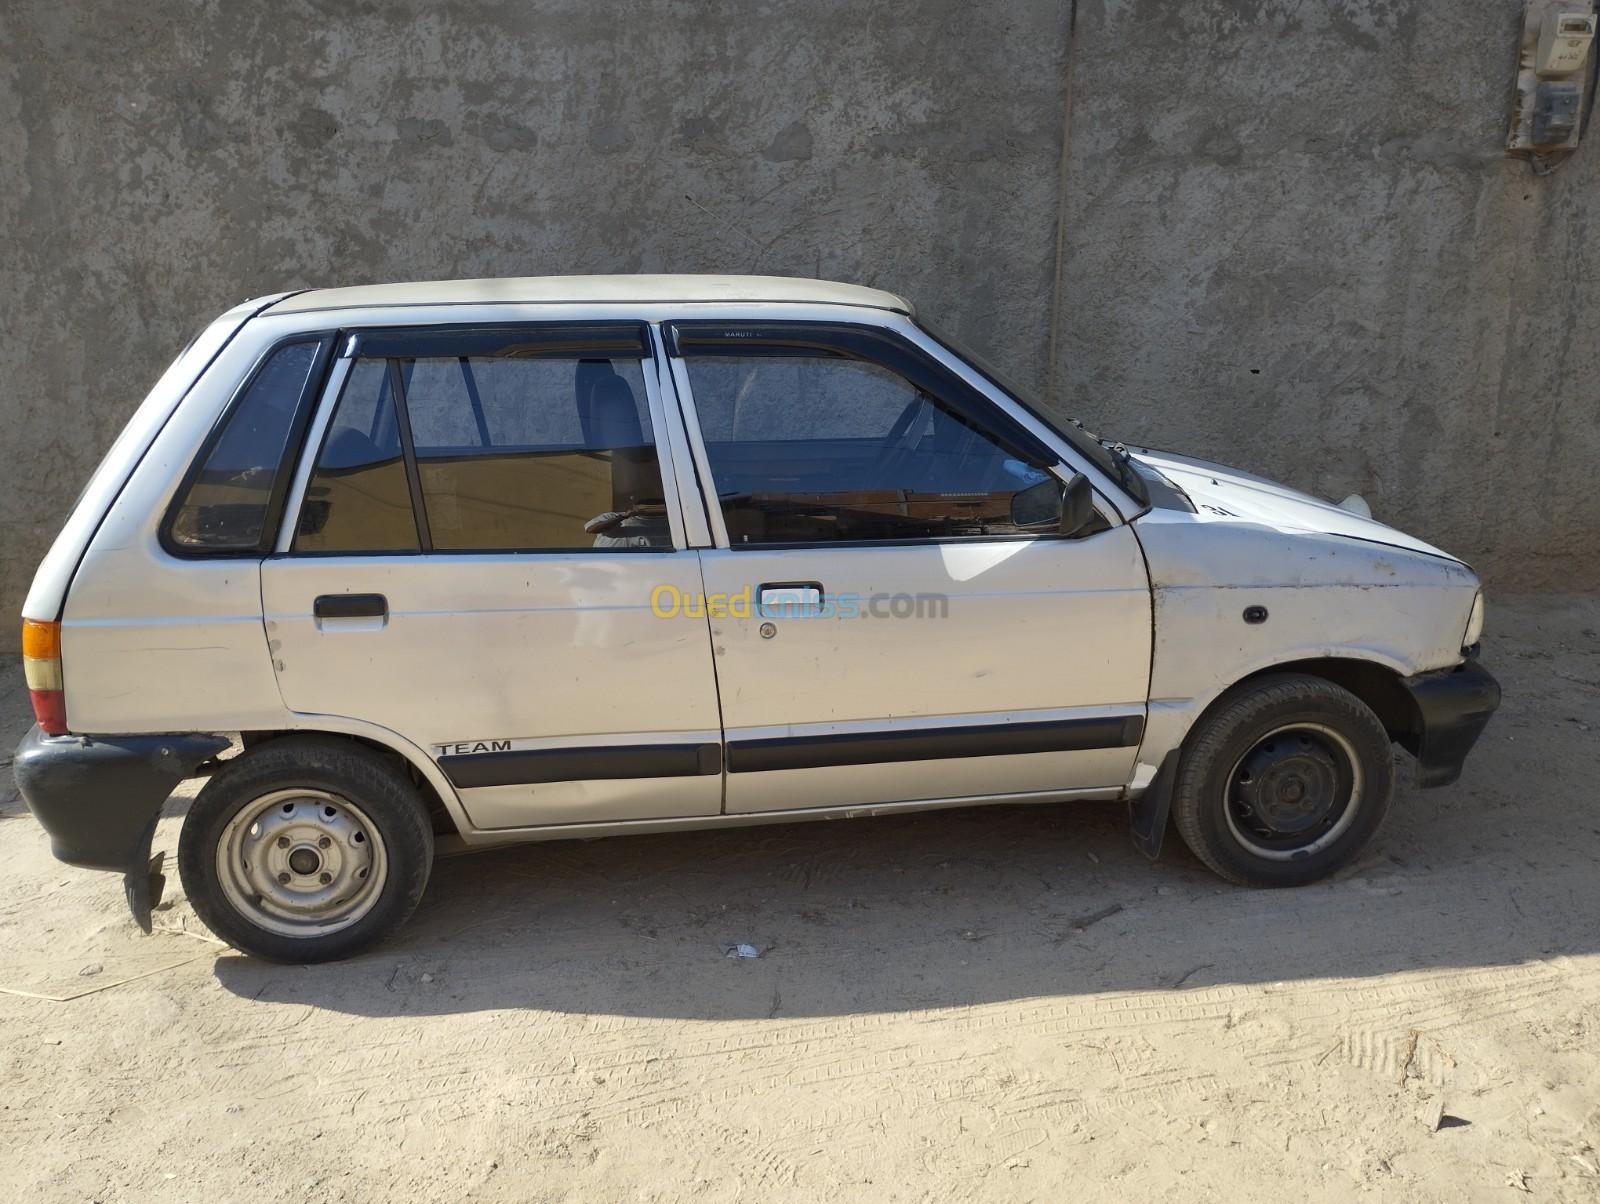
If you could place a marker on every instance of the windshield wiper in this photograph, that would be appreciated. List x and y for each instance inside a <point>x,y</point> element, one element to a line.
<point>1128,476</point>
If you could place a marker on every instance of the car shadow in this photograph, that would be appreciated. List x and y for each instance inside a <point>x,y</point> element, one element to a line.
<point>963,908</point>
<point>949,909</point>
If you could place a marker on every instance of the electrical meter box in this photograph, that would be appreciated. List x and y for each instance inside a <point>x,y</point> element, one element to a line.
<point>1564,43</point>
<point>1553,78</point>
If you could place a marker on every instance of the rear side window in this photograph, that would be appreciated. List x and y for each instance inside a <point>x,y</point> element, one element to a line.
<point>550,455</point>
<point>477,443</point>
<point>233,495</point>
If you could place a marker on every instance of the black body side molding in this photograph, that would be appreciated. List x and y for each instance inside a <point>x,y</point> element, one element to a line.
<point>935,743</point>
<point>531,766</point>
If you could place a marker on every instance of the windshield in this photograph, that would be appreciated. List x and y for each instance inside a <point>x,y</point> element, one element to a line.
<point>1106,455</point>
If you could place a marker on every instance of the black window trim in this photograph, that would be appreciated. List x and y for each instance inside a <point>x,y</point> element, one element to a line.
<point>283,476</point>
<point>624,337</point>
<point>777,337</point>
<point>408,453</point>
<point>699,337</point>
<point>579,338</point>
<point>912,541</point>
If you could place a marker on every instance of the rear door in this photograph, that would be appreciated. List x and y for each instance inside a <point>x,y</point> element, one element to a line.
<point>484,517</point>
<point>885,628</point>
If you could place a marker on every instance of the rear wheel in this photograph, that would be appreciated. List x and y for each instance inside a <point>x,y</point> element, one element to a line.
<point>1284,781</point>
<point>306,849</point>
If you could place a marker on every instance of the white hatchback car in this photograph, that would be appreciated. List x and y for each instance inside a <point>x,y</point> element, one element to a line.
<point>505,560</point>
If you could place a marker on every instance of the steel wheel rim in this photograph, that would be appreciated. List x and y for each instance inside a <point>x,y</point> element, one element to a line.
<point>302,863</point>
<point>1319,835</point>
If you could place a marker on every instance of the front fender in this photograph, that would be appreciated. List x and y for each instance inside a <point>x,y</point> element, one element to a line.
<point>1232,599</point>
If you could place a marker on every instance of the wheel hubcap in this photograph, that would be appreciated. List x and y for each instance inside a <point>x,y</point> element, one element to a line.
<point>301,862</point>
<point>304,861</point>
<point>1294,791</point>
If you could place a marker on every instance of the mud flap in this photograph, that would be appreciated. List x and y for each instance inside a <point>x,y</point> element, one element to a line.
<point>1147,814</point>
<point>143,887</point>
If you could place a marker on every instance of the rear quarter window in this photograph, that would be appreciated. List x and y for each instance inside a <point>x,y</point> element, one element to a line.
<point>230,500</point>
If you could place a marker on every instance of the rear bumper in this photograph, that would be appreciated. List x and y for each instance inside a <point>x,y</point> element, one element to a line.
<point>98,796</point>
<point>1453,706</point>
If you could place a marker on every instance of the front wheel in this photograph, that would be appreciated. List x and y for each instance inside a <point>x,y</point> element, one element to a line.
<point>1283,781</point>
<point>306,849</point>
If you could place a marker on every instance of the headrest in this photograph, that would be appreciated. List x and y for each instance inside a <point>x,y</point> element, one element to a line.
<point>351,448</point>
<point>613,416</point>
<point>584,378</point>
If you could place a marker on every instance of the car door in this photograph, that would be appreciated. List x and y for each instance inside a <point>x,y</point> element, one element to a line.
<point>885,627</point>
<point>483,517</point>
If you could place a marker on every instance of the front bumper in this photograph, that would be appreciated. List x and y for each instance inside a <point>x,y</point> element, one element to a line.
<point>1453,706</point>
<point>99,797</point>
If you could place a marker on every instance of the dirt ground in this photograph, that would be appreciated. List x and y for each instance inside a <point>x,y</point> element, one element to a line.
<point>1000,1004</point>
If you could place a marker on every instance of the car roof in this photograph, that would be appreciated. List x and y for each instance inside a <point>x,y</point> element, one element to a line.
<point>514,290</point>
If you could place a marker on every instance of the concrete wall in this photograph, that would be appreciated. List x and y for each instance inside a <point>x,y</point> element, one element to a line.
<point>1283,234</point>
<point>1292,243</point>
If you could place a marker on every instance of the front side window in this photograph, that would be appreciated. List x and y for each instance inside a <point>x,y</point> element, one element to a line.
<point>523,446</point>
<point>809,447</point>
<point>230,501</point>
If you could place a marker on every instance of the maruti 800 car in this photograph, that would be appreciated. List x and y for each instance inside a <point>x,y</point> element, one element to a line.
<point>478,562</point>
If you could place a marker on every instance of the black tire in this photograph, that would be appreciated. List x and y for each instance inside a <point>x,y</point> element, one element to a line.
<point>1309,741</point>
<point>377,812</point>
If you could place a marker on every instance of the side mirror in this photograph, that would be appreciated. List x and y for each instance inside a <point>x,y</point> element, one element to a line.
<point>1077,504</point>
<point>1048,504</point>
<point>1037,505</point>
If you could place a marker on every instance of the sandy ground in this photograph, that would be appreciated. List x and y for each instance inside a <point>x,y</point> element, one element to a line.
<point>1002,1004</point>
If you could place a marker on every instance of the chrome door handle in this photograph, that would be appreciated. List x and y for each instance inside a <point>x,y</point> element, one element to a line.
<point>776,599</point>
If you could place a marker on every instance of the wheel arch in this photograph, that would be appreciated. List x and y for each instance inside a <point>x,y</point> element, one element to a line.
<point>1376,684</point>
<point>444,806</point>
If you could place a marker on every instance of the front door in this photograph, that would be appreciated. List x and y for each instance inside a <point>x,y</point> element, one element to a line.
<point>481,531</point>
<point>886,625</point>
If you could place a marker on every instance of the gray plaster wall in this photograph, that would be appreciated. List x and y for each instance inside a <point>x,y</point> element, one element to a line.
<point>1276,232</point>
<point>1291,242</point>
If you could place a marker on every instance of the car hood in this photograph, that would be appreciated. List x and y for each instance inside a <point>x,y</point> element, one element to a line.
<point>1222,493</point>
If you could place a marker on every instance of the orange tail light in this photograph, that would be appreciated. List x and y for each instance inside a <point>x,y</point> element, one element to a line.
<point>41,664</point>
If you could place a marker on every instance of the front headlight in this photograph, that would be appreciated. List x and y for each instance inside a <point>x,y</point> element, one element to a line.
<point>1474,630</point>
